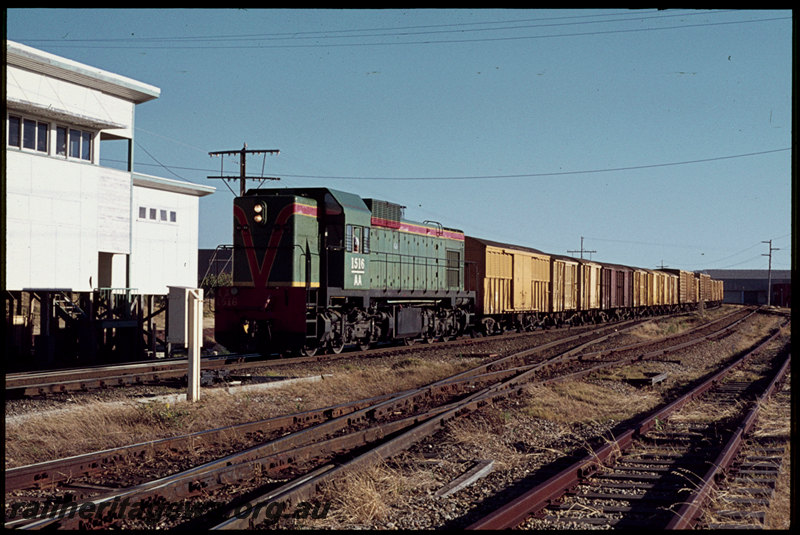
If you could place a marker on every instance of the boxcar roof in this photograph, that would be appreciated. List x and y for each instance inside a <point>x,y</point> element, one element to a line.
<point>491,243</point>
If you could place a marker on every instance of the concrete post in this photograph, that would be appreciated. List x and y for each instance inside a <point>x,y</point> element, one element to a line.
<point>195,341</point>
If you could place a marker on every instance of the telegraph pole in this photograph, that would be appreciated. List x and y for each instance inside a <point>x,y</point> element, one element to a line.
<point>769,272</point>
<point>582,250</point>
<point>243,178</point>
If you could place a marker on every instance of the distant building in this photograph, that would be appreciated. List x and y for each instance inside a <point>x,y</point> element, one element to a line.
<point>749,286</point>
<point>81,239</point>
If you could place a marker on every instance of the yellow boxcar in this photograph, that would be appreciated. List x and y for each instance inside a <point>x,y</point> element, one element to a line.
<point>639,287</point>
<point>704,286</point>
<point>658,288</point>
<point>672,283</point>
<point>507,278</point>
<point>650,300</point>
<point>687,293</point>
<point>717,290</point>
<point>564,277</point>
<point>588,285</point>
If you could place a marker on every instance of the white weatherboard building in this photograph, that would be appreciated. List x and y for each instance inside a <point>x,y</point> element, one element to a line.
<point>72,226</point>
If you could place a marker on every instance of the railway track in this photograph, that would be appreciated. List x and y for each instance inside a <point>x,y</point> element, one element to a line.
<point>315,439</point>
<point>81,473</point>
<point>43,383</point>
<point>662,470</point>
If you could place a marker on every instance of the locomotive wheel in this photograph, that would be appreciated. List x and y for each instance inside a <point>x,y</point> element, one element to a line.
<point>307,351</point>
<point>364,346</point>
<point>337,346</point>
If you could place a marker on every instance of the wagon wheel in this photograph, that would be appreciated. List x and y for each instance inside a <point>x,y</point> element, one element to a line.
<point>409,341</point>
<point>364,345</point>
<point>429,338</point>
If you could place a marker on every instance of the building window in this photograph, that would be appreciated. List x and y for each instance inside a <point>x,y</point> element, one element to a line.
<point>27,133</point>
<point>77,142</point>
<point>42,130</point>
<point>74,143</point>
<point>14,124</point>
<point>61,141</point>
<point>158,214</point>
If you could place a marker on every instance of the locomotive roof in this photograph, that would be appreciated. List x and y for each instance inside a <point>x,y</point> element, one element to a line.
<point>348,201</point>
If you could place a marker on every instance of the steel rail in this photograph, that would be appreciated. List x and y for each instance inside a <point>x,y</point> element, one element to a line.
<point>44,382</point>
<point>50,472</point>
<point>460,383</point>
<point>295,492</point>
<point>516,511</point>
<point>691,509</point>
<point>469,380</point>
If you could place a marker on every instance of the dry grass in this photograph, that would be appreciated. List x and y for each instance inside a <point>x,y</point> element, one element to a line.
<point>659,328</point>
<point>579,402</point>
<point>368,495</point>
<point>88,426</point>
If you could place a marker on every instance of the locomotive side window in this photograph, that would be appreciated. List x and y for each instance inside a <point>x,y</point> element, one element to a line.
<point>357,239</point>
<point>348,238</point>
<point>333,221</point>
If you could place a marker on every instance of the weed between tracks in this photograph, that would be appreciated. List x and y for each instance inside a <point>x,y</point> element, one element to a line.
<point>86,426</point>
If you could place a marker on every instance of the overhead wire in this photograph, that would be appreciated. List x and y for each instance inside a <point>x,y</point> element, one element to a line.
<point>139,44</point>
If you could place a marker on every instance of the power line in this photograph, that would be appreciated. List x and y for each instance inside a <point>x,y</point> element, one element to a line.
<point>315,34</point>
<point>484,177</point>
<point>539,175</point>
<point>402,30</point>
<point>139,45</point>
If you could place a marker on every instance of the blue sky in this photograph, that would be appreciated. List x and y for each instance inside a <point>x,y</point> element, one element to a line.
<point>661,137</point>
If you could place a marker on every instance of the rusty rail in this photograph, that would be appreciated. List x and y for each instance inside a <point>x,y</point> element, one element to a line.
<point>549,491</point>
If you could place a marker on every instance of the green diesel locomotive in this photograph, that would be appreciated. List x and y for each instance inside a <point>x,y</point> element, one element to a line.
<point>319,269</point>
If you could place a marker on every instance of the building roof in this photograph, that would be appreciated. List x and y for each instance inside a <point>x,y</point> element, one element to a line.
<point>32,59</point>
<point>777,274</point>
<point>174,186</point>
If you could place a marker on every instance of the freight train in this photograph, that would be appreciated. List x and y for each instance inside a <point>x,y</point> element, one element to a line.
<point>320,269</point>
